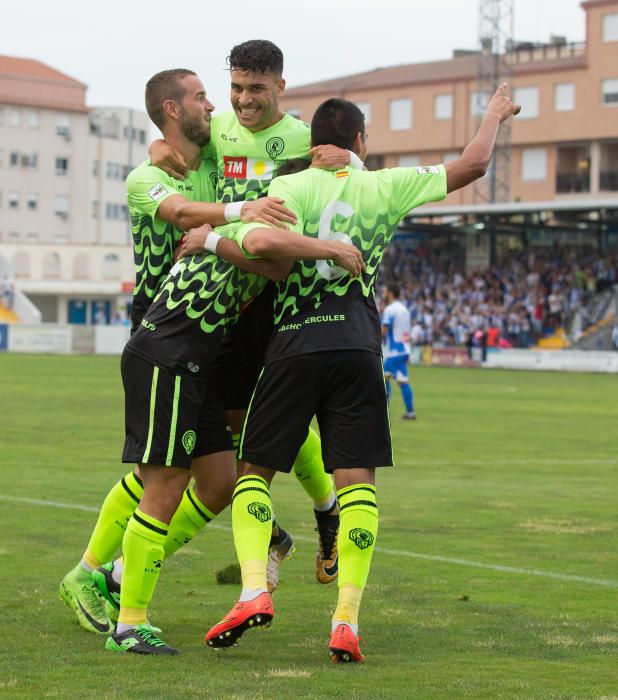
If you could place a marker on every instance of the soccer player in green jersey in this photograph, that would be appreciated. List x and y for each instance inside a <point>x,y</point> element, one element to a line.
<point>166,376</point>
<point>324,359</point>
<point>251,143</point>
<point>161,209</point>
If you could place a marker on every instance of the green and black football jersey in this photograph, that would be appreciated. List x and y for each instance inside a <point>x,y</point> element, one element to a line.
<point>248,161</point>
<point>320,307</point>
<point>198,300</point>
<point>154,240</point>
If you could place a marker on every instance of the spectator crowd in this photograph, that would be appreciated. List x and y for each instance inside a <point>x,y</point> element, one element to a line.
<point>526,295</point>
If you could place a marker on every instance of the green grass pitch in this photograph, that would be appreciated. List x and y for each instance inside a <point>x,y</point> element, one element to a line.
<point>496,573</point>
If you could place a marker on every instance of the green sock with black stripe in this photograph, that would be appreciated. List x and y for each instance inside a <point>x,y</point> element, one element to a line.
<point>252,527</point>
<point>309,469</point>
<point>118,506</point>
<point>190,517</point>
<point>358,530</point>
<point>143,550</point>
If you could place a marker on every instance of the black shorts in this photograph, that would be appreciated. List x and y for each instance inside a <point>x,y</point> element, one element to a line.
<point>242,353</point>
<point>344,390</point>
<point>170,419</point>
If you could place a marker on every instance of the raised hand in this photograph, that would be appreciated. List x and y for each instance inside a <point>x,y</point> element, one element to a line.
<point>501,104</point>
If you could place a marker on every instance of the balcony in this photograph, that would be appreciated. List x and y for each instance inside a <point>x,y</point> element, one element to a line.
<point>609,180</point>
<point>572,182</point>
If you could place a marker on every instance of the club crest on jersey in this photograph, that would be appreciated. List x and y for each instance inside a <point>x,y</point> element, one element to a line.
<point>275,146</point>
<point>248,168</point>
<point>155,193</point>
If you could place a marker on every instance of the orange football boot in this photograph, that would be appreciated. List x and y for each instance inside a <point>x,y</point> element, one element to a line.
<point>344,645</point>
<point>244,615</point>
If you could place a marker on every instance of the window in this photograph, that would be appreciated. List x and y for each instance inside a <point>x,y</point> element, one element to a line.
<point>400,115</point>
<point>142,135</point>
<point>29,160</point>
<point>32,201</point>
<point>95,168</point>
<point>533,164</point>
<point>564,97</point>
<point>478,103</point>
<point>63,126</point>
<point>573,168</point>
<point>95,210</point>
<point>61,206</point>
<point>610,27</point>
<point>609,166</point>
<point>365,108</point>
<point>33,118</point>
<point>62,165</point>
<point>13,200</point>
<point>14,116</point>
<point>443,106</point>
<point>14,158</point>
<point>610,91</point>
<point>528,98</point>
<point>408,161</point>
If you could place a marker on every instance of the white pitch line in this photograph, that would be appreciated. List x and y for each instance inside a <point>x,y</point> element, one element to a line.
<point>606,583</point>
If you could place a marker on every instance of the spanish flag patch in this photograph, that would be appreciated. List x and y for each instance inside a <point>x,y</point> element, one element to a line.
<point>342,173</point>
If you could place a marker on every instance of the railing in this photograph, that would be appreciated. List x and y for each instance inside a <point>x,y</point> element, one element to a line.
<point>594,311</point>
<point>609,180</point>
<point>572,182</point>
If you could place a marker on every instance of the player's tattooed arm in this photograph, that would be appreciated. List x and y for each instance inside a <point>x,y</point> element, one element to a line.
<point>169,159</point>
<point>476,155</point>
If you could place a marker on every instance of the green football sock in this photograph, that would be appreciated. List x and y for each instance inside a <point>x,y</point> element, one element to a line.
<point>118,506</point>
<point>309,470</point>
<point>143,551</point>
<point>190,517</point>
<point>252,526</point>
<point>358,529</point>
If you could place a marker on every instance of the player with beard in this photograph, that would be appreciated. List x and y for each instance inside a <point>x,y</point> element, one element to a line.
<point>161,209</point>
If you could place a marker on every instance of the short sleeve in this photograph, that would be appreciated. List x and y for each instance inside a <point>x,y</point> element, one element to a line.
<point>413,187</point>
<point>147,187</point>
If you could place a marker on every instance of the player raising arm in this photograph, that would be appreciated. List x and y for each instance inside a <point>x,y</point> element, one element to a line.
<point>324,359</point>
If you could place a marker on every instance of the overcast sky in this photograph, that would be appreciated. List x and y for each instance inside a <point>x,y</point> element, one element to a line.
<point>114,46</point>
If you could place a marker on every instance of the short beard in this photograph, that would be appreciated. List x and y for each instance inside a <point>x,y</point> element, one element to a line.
<point>194,130</point>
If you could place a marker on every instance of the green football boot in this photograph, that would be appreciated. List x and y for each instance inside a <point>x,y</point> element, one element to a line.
<point>108,589</point>
<point>80,593</point>
<point>140,639</point>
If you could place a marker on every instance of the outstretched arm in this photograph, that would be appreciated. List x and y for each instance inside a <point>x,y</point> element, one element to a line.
<point>477,154</point>
<point>277,244</point>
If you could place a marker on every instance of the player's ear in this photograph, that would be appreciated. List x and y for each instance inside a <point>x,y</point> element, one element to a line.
<point>171,109</point>
<point>280,87</point>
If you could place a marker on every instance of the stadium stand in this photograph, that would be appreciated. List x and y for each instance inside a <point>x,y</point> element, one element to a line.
<point>526,297</point>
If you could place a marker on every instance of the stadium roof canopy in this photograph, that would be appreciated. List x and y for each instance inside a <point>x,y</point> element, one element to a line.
<point>609,207</point>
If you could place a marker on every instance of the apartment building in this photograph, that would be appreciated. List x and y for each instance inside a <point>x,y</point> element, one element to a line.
<point>564,143</point>
<point>64,229</point>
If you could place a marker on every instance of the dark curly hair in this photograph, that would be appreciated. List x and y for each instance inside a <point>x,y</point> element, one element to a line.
<point>336,121</point>
<point>257,56</point>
